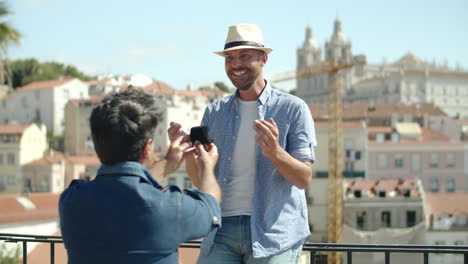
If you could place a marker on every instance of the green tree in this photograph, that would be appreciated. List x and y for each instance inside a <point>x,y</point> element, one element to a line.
<point>20,70</point>
<point>223,87</point>
<point>8,35</point>
<point>30,70</point>
<point>56,142</point>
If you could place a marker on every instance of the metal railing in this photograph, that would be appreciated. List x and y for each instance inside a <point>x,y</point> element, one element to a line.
<point>317,250</point>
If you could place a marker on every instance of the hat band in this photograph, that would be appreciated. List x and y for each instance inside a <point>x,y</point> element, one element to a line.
<point>242,43</point>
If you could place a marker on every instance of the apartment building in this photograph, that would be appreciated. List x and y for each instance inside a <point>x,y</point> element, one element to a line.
<point>46,174</point>
<point>42,101</point>
<point>81,167</point>
<point>354,166</point>
<point>383,212</point>
<point>19,145</point>
<point>184,107</point>
<point>447,223</point>
<point>77,132</point>
<point>407,151</point>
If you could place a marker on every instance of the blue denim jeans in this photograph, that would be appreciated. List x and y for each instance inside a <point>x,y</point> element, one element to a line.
<point>233,245</point>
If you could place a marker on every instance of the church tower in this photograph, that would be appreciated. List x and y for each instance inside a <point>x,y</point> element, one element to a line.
<point>338,48</point>
<point>310,53</point>
<point>307,55</point>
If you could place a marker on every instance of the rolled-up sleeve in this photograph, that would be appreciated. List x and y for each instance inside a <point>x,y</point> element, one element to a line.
<point>199,214</point>
<point>301,139</point>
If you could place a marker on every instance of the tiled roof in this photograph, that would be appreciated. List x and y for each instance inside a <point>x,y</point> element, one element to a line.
<point>39,85</point>
<point>366,110</point>
<point>393,188</point>
<point>379,129</point>
<point>13,129</point>
<point>159,88</point>
<point>345,124</point>
<point>53,158</point>
<point>46,208</point>
<point>448,203</point>
<point>409,58</point>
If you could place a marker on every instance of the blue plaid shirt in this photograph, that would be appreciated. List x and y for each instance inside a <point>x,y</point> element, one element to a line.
<point>279,211</point>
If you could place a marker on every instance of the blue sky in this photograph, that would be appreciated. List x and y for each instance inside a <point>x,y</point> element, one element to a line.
<point>173,41</point>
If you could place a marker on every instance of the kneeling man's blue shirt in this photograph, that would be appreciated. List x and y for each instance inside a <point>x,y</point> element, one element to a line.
<point>125,216</point>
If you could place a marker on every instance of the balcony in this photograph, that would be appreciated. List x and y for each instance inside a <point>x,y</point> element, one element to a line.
<point>316,252</point>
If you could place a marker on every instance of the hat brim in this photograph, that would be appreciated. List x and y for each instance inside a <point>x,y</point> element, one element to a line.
<point>222,53</point>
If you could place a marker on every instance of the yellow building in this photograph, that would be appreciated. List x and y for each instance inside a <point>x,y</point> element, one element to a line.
<point>19,144</point>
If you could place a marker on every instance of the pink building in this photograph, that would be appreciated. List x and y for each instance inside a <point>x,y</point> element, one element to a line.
<point>407,151</point>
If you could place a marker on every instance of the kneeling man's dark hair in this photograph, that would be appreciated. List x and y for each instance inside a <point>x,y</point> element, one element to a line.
<point>122,123</point>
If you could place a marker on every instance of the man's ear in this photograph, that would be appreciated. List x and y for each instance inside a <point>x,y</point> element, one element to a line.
<point>264,58</point>
<point>147,150</point>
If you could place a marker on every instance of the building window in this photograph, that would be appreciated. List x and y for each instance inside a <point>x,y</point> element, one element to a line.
<point>382,161</point>
<point>380,137</point>
<point>357,193</point>
<point>1,158</point>
<point>172,181</point>
<point>450,160</point>
<point>187,183</point>
<point>11,180</point>
<point>398,159</point>
<point>434,160</point>
<point>361,220</point>
<point>386,219</point>
<point>410,218</point>
<point>382,193</point>
<point>450,184</point>
<point>349,165</point>
<point>416,162</point>
<point>11,158</point>
<point>434,185</point>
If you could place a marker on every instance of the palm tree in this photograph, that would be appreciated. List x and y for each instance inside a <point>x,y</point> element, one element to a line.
<point>8,35</point>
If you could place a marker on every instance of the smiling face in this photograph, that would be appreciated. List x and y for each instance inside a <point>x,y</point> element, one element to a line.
<point>244,67</point>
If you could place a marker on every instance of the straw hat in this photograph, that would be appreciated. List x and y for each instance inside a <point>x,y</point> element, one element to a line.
<point>244,36</point>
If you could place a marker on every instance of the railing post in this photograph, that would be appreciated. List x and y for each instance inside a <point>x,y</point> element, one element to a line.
<point>25,252</point>
<point>350,257</point>
<point>466,258</point>
<point>426,258</point>
<point>312,257</point>
<point>52,253</point>
<point>387,257</point>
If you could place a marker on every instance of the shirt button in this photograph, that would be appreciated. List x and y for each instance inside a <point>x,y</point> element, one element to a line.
<point>229,158</point>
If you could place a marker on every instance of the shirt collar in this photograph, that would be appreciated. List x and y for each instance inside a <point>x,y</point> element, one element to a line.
<point>263,96</point>
<point>127,168</point>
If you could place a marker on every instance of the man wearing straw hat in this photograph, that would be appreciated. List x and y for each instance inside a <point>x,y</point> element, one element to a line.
<point>266,142</point>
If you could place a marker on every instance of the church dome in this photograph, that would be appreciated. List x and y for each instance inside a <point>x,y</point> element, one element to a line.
<point>338,36</point>
<point>309,41</point>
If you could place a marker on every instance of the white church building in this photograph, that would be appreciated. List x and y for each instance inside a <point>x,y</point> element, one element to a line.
<point>409,80</point>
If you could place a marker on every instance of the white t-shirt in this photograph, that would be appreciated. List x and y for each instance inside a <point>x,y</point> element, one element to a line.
<point>237,197</point>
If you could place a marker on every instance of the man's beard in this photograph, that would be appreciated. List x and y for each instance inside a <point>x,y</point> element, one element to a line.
<point>244,85</point>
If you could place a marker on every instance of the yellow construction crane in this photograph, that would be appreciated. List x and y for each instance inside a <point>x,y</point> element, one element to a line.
<point>335,144</point>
